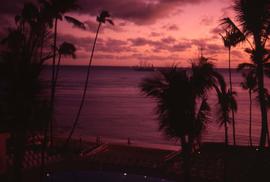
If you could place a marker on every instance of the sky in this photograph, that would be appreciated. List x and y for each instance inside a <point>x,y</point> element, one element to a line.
<point>158,32</point>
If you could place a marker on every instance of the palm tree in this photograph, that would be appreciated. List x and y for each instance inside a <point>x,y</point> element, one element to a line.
<point>226,103</point>
<point>55,10</point>
<point>231,39</point>
<point>254,18</point>
<point>182,106</point>
<point>25,111</point>
<point>65,49</point>
<point>249,84</point>
<point>101,19</point>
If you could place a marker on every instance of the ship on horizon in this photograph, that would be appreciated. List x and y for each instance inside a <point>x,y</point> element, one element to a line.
<point>144,66</point>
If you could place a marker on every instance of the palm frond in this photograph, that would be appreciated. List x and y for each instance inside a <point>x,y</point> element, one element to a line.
<point>67,49</point>
<point>245,66</point>
<point>203,116</point>
<point>75,22</point>
<point>110,21</point>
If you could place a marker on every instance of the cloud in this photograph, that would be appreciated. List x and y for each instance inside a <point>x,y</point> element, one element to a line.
<point>168,44</point>
<point>155,34</point>
<point>170,27</point>
<point>216,30</point>
<point>173,27</point>
<point>140,12</point>
<point>140,41</point>
<point>168,40</point>
<point>207,20</point>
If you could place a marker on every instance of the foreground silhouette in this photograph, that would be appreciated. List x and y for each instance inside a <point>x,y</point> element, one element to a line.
<point>182,102</point>
<point>25,111</point>
<point>254,18</point>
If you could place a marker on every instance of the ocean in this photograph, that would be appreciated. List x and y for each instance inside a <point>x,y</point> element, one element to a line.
<point>116,109</point>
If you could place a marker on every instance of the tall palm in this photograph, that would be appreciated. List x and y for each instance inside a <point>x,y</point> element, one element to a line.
<point>254,19</point>
<point>249,84</point>
<point>101,19</point>
<point>182,106</point>
<point>55,10</point>
<point>65,49</point>
<point>229,40</point>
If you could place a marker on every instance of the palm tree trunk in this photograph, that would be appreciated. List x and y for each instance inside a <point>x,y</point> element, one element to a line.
<point>84,91</point>
<point>230,81</point>
<point>226,133</point>
<point>186,159</point>
<point>264,126</point>
<point>57,68</point>
<point>250,117</point>
<point>53,78</point>
<point>41,46</point>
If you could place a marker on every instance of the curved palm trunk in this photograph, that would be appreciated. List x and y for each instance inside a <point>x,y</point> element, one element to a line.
<point>85,89</point>
<point>230,81</point>
<point>250,117</point>
<point>57,68</point>
<point>53,78</point>
<point>226,133</point>
<point>264,126</point>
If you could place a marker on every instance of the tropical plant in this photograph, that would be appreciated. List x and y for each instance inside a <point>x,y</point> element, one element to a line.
<point>101,19</point>
<point>226,104</point>
<point>65,49</point>
<point>23,110</point>
<point>254,20</point>
<point>249,84</point>
<point>182,106</point>
<point>231,39</point>
<point>55,10</point>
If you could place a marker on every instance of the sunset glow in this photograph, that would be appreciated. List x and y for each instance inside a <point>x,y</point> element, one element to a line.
<point>162,32</point>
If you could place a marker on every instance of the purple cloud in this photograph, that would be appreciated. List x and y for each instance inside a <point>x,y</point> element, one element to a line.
<point>137,11</point>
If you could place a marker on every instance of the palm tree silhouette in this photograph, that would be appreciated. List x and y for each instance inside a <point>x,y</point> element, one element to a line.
<point>182,106</point>
<point>231,39</point>
<point>254,18</point>
<point>65,49</point>
<point>101,19</point>
<point>226,104</point>
<point>55,10</point>
<point>249,84</point>
<point>26,112</point>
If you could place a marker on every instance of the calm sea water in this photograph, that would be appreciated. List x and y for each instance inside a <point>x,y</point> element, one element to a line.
<point>115,108</point>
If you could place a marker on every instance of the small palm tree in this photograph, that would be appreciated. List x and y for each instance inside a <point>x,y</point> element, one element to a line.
<point>226,104</point>
<point>249,84</point>
<point>65,49</point>
<point>101,19</point>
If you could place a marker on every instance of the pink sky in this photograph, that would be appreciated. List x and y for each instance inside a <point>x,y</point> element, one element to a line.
<point>160,32</point>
